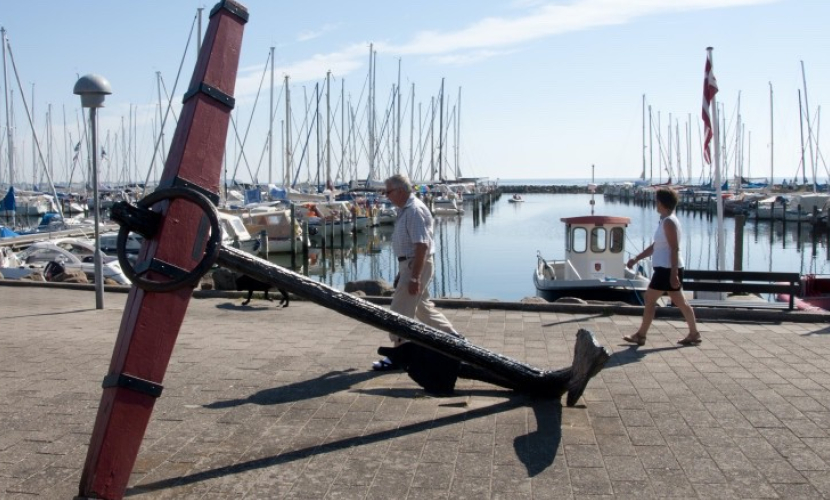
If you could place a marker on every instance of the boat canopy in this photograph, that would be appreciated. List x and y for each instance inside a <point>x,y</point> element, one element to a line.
<point>596,220</point>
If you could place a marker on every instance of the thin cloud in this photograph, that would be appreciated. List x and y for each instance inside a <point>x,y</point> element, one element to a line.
<point>469,57</point>
<point>550,20</point>
<point>493,37</point>
<point>311,35</point>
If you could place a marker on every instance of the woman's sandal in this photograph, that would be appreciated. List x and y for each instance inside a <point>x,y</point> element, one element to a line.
<point>689,340</point>
<point>636,339</point>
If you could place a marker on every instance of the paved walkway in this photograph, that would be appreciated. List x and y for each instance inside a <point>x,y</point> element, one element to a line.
<point>261,402</point>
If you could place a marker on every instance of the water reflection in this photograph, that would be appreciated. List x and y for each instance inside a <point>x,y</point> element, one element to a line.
<point>490,251</point>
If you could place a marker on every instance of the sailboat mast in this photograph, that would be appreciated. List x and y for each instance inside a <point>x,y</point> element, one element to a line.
<point>10,144</point>
<point>739,153</point>
<point>771,142</point>
<point>643,174</point>
<point>412,132</point>
<point>161,119</point>
<point>398,121</point>
<point>801,127</point>
<point>271,124</point>
<point>458,137</point>
<point>343,136</point>
<point>809,125</point>
<point>669,144</point>
<point>689,146</point>
<point>441,134</point>
<point>318,179</point>
<point>328,129</point>
<point>432,138</point>
<point>371,105</point>
<point>34,141</point>
<point>288,167</point>
<point>650,147</point>
<point>679,154</point>
<point>659,148</point>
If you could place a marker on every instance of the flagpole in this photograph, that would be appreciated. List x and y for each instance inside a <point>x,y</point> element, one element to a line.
<point>721,240</point>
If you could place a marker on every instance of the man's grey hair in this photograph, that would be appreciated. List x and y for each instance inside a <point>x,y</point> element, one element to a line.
<point>400,181</point>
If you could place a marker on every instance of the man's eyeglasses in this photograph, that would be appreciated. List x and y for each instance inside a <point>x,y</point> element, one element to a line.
<point>387,191</point>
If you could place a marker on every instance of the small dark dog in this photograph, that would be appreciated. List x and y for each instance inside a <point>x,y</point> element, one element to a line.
<point>245,282</point>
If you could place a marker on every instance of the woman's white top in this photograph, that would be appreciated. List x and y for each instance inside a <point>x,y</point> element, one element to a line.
<point>661,257</point>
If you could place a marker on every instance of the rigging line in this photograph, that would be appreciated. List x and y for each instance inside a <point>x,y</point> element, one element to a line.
<point>169,103</point>
<point>250,120</point>
<point>300,128</point>
<point>382,131</point>
<point>255,179</point>
<point>32,125</point>
<point>422,147</point>
<point>242,155</point>
<point>169,99</point>
<point>307,140</point>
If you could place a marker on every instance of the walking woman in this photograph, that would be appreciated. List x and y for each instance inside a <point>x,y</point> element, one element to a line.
<point>668,271</point>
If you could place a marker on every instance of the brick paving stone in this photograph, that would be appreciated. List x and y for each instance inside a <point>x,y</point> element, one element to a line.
<point>262,402</point>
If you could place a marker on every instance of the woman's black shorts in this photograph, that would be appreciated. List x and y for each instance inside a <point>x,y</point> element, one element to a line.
<point>661,279</point>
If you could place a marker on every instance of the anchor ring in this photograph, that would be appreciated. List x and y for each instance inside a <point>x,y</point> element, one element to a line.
<point>182,279</point>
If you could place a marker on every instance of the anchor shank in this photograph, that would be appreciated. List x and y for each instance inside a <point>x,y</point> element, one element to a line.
<point>519,374</point>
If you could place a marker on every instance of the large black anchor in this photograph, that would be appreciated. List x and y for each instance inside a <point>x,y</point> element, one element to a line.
<point>432,358</point>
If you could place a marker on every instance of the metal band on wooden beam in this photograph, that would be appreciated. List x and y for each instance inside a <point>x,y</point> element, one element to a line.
<point>133,383</point>
<point>161,267</point>
<point>233,7</point>
<point>210,91</point>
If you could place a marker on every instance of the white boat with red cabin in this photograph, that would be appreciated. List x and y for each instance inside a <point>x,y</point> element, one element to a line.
<point>594,264</point>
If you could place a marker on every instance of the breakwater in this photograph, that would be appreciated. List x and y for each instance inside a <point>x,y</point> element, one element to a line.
<point>548,189</point>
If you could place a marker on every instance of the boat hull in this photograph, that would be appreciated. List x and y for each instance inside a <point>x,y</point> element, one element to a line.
<point>607,294</point>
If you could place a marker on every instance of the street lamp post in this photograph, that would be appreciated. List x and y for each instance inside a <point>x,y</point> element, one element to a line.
<point>93,89</point>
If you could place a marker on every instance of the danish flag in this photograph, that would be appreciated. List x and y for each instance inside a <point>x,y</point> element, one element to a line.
<point>710,88</point>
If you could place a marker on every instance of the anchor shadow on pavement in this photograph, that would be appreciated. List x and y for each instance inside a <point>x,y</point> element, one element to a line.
<point>325,384</point>
<point>823,331</point>
<point>536,450</point>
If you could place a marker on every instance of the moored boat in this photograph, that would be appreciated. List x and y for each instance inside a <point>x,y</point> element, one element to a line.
<point>814,295</point>
<point>71,253</point>
<point>593,267</point>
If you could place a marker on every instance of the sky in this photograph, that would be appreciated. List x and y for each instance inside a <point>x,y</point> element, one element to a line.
<point>547,88</point>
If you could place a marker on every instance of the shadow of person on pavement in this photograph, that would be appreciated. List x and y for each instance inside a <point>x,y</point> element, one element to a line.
<point>633,354</point>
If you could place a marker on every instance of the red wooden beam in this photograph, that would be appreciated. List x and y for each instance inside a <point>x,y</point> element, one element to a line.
<point>151,321</point>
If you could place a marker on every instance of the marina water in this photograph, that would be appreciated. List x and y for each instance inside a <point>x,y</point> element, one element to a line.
<point>493,256</point>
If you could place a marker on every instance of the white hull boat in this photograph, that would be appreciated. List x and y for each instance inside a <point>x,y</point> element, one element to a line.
<point>72,253</point>
<point>593,267</point>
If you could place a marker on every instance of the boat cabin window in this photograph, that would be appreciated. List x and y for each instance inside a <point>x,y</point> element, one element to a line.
<point>598,235</point>
<point>579,242</point>
<point>617,239</point>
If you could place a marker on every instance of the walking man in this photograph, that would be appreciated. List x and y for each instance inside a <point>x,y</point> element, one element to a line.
<point>412,244</point>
